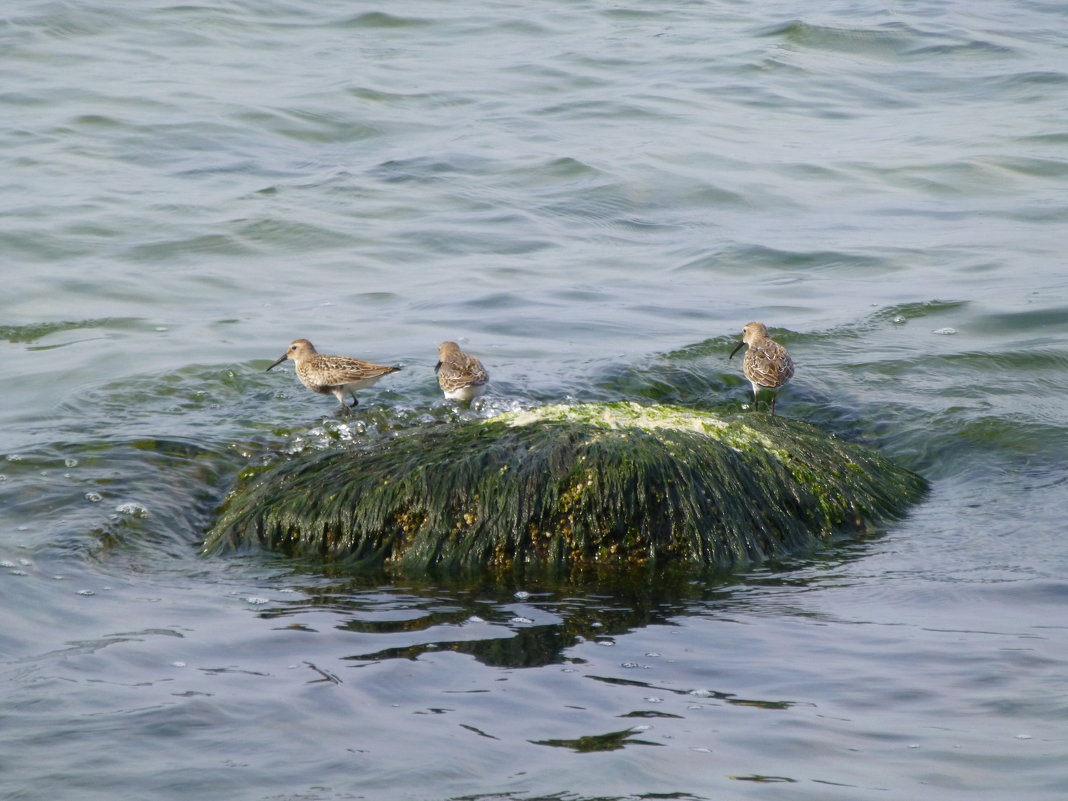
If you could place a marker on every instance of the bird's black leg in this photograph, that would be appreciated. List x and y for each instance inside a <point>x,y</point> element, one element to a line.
<point>355,401</point>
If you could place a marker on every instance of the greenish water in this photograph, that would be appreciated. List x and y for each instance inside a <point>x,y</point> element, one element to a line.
<point>594,199</point>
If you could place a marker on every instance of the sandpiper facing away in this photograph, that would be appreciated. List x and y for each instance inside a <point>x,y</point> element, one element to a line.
<point>460,376</point>
<point>332,375</point>
<point>767,365</point>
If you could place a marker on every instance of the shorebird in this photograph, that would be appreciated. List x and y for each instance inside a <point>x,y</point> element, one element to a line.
<point>767,365</point>
<point>332,375</point>
<point>460,375</point>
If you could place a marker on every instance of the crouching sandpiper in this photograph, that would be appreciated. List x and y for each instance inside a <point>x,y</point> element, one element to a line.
<point>767,365</point>
<point>460,375</point>
<point>332,375</point>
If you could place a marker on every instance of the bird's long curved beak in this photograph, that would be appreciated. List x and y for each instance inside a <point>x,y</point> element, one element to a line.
<point>437,367</point>
<point>281,359</point>
<point>729,357</point>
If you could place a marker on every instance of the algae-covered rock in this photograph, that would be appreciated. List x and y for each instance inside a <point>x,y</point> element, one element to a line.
<point>569,485</point>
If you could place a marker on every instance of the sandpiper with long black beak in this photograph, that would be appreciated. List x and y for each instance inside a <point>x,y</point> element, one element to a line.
<point>767,365</point>
<point>332,375</point>
<point>460,375</point>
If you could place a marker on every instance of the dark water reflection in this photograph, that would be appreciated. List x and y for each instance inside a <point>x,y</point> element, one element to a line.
<point>539,625</point>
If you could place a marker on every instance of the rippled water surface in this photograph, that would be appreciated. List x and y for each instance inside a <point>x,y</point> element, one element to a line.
<point>594,198</point>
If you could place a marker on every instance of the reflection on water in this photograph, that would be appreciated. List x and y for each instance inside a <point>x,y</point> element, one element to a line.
<point>499,627</point>
<point>610,741</point>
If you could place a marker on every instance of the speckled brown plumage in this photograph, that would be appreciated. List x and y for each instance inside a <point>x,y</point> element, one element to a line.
<point>332,375</point>
<point>460,375</point>
<point>767,364</point>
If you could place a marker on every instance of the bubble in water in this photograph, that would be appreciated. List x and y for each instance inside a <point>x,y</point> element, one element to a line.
<point>899,320</point>
<point>518,619</point>
<point>1023,736</point>
<point>652,699</point>
<point>178,664</point>
<point>946,331</point>
<point>94,497</point>
<point>521,595</point>
<point>86,592</point>
<point>14,457</point>
<point>70,462</point>
<point>475,619</point>
<point>252,599</point>
<point>6,563</point>
<point>132,509</point>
